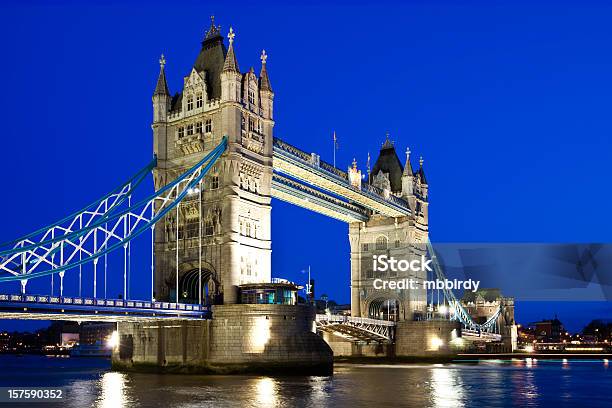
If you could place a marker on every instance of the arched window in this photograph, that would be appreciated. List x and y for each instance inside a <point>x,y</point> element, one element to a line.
<point>208,227</point>
<point>381,243</point>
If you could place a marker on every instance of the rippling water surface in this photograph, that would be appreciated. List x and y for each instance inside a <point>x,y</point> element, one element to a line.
<point>89,382</point>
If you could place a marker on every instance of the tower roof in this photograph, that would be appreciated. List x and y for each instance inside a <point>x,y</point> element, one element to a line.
<point>408,166</point>
<point>162,85</point>
<point>421,173</point>
<point>211,59</point>
<point>231,64</point>
<point>388,162</point>
<point>264,81</point>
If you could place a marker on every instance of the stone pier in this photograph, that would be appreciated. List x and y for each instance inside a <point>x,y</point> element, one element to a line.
<point>413,339</point>
<point>239,339</point>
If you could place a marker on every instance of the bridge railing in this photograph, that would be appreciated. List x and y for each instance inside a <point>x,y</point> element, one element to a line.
<point>80,301</point>
<point>350,319</point>
<point>337,174</point>
<point>291,183</point>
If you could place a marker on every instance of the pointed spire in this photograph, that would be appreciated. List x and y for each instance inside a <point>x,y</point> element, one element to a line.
<point>264,81</point>
<point>368,167</point>
<point>231,64</point>
<point>162,85</point>
<point>388,143</point>
<point>421,172</point>
<point>213,31</point>
<point>408,166</point>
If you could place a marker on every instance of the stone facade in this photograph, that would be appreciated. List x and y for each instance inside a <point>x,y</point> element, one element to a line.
<point>402,238</point>
<point>226,221</point>
<point>241,338</point>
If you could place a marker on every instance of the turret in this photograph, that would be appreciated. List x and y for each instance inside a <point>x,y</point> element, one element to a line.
<point>230,75</point>
<point>407,177</point>
<point>265,89</point>
<point>161,107</point>
<point>161,96</point>
<point>422,179</point>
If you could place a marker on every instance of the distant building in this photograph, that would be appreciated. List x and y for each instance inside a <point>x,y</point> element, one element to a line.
<point>93,333</point>
<point>69,340</point>
<point>483,304</point>
<point>549,331</point>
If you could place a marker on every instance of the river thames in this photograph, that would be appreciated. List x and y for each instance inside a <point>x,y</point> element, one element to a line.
<point>91,383</point>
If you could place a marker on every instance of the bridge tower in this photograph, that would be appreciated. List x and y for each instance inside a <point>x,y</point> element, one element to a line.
<point>398,237</point>
<point>222,230</point>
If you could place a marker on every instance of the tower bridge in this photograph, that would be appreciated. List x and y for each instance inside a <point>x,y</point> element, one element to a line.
<point>217,165</point>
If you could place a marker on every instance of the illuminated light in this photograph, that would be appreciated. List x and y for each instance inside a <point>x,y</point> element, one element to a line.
<point>260,334</point>
<point>113,340</point>
<point>436,343</point>
<point>443,309</point>
<point>529,349</point>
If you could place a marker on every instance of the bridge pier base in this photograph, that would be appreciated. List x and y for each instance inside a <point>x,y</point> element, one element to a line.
<point>412,339</point>
<point>239,339</point>
<point>426,338</point>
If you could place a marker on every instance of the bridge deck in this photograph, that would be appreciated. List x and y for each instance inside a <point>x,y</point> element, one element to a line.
<point>33,307</point>
<point>306,167</point>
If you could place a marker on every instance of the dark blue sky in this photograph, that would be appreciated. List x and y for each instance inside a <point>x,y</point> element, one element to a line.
<point>508,103</point>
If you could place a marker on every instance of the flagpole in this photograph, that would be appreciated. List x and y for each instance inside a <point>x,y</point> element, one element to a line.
<point>334,149</point>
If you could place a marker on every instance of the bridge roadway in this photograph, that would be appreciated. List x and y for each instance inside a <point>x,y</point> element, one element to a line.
<point>346,202</point>
<point>34,307</point>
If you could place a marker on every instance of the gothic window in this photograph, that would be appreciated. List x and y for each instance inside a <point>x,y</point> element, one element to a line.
<point>251,96</point>
<point>248,229</point>
<point>254,230</point>
<point>214,182</point>
<point>198,127</point>
<point>192,230</point>
<point>208,126</point>
<point>365,247</point>
<point>208,227</point>
<point>370,274</point>
<point>397,243</point>
<point>180,132</point>
<point>243,123</point>
<point>248,268</point>
<point>190,103</point>
<point>381,243</point>
<point>199,100</point>
<point>189,130</point>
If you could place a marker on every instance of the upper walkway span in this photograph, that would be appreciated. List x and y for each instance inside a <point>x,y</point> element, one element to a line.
<point>309,169</point>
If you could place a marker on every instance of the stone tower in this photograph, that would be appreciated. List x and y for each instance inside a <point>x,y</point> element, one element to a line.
<point>401,238</point>
<point>217,100</point>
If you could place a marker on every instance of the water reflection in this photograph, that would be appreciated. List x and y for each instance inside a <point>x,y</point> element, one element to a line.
<point>112,391</point>
<point>446,387</point>
<point>266,392</point>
